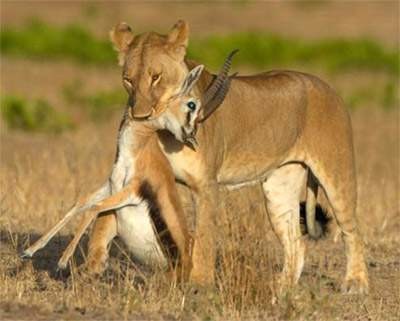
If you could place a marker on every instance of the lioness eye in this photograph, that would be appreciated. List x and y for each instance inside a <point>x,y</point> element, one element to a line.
<point>191,105</point>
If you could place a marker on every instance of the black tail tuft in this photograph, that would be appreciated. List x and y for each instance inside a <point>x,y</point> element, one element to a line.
<point>321,218</point>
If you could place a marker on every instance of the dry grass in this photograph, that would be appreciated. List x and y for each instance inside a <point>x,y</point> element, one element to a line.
<point>41,177</point>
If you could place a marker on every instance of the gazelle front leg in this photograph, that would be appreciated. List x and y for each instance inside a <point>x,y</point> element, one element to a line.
<point>82,204</point>
<point>127,196</point>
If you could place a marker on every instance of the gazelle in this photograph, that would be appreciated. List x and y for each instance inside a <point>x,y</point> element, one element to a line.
<point>141,183</point>
<point>282,129</point>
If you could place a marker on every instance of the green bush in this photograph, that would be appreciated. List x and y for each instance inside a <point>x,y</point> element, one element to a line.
<point>103,103</point>
<point>385,96</point>
<point>39,40</point>
<point>99,105</point>
<point>267,50</point>
<point>33,115</point>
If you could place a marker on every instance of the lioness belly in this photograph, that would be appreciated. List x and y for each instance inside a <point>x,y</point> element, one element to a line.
<point>136,229</point>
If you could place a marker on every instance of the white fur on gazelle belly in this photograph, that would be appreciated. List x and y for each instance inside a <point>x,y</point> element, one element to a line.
<point>136,229</point>
<point>134,224</point>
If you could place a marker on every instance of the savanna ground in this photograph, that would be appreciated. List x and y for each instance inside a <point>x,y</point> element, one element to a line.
<point>60,114</point>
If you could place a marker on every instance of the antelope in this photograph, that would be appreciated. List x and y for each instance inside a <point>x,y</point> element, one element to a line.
<point>140,185</point>
<point>285,130</point>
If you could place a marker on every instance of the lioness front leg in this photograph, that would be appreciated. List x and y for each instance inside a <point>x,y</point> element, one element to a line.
<point>174,218</point>
<point>204,251</point>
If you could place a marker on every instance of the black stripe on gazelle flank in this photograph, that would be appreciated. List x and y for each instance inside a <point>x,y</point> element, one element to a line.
<point>166,241</point>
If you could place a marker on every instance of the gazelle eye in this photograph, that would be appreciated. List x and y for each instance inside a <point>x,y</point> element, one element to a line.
<point>191,105</point>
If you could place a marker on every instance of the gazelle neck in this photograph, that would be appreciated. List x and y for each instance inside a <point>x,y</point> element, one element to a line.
<point>139,132</point>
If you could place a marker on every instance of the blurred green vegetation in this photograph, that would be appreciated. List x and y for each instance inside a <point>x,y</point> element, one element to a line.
<point>258,50</point>
<point>383,96</point>
<point>39,40</point>
<point>34,116</point>
<point>267,50</point>
<point>99,105</point>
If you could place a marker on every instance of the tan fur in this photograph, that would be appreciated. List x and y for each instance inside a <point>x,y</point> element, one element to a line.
<point>266,123</point>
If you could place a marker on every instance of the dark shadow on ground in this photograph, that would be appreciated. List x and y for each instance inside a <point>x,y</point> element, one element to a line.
<point>45,259</point>
<point>12,246</point>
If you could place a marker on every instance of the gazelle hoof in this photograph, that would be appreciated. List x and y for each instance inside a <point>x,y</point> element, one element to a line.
<point>62,266</point>
<point>26,254</point>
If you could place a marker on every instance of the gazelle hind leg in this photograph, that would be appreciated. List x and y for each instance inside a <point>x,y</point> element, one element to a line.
<point>283,191</point>
<point>127,196</point>
<point>104,230</point>
<point>341,193</point>
<point>81,205</point>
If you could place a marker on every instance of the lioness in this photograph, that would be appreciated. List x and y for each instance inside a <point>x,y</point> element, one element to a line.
<point>281,129</point>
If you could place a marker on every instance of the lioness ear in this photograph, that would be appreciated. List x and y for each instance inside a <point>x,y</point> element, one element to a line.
<point>121,36</point>
<point>178,37</point>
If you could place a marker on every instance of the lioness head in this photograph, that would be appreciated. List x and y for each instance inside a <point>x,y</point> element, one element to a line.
<point>153,65</point>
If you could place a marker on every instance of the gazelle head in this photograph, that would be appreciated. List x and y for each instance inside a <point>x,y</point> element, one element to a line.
<point>185,110</point>
<point>181,112</point>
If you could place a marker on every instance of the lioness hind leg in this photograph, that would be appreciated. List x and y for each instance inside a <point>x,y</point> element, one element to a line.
<point>283,191</point>
<point>340,189</point>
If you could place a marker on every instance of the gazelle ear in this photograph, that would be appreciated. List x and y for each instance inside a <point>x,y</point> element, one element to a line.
<point>121,36</point>
<point>178,37</point>
<point>191,79</point>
